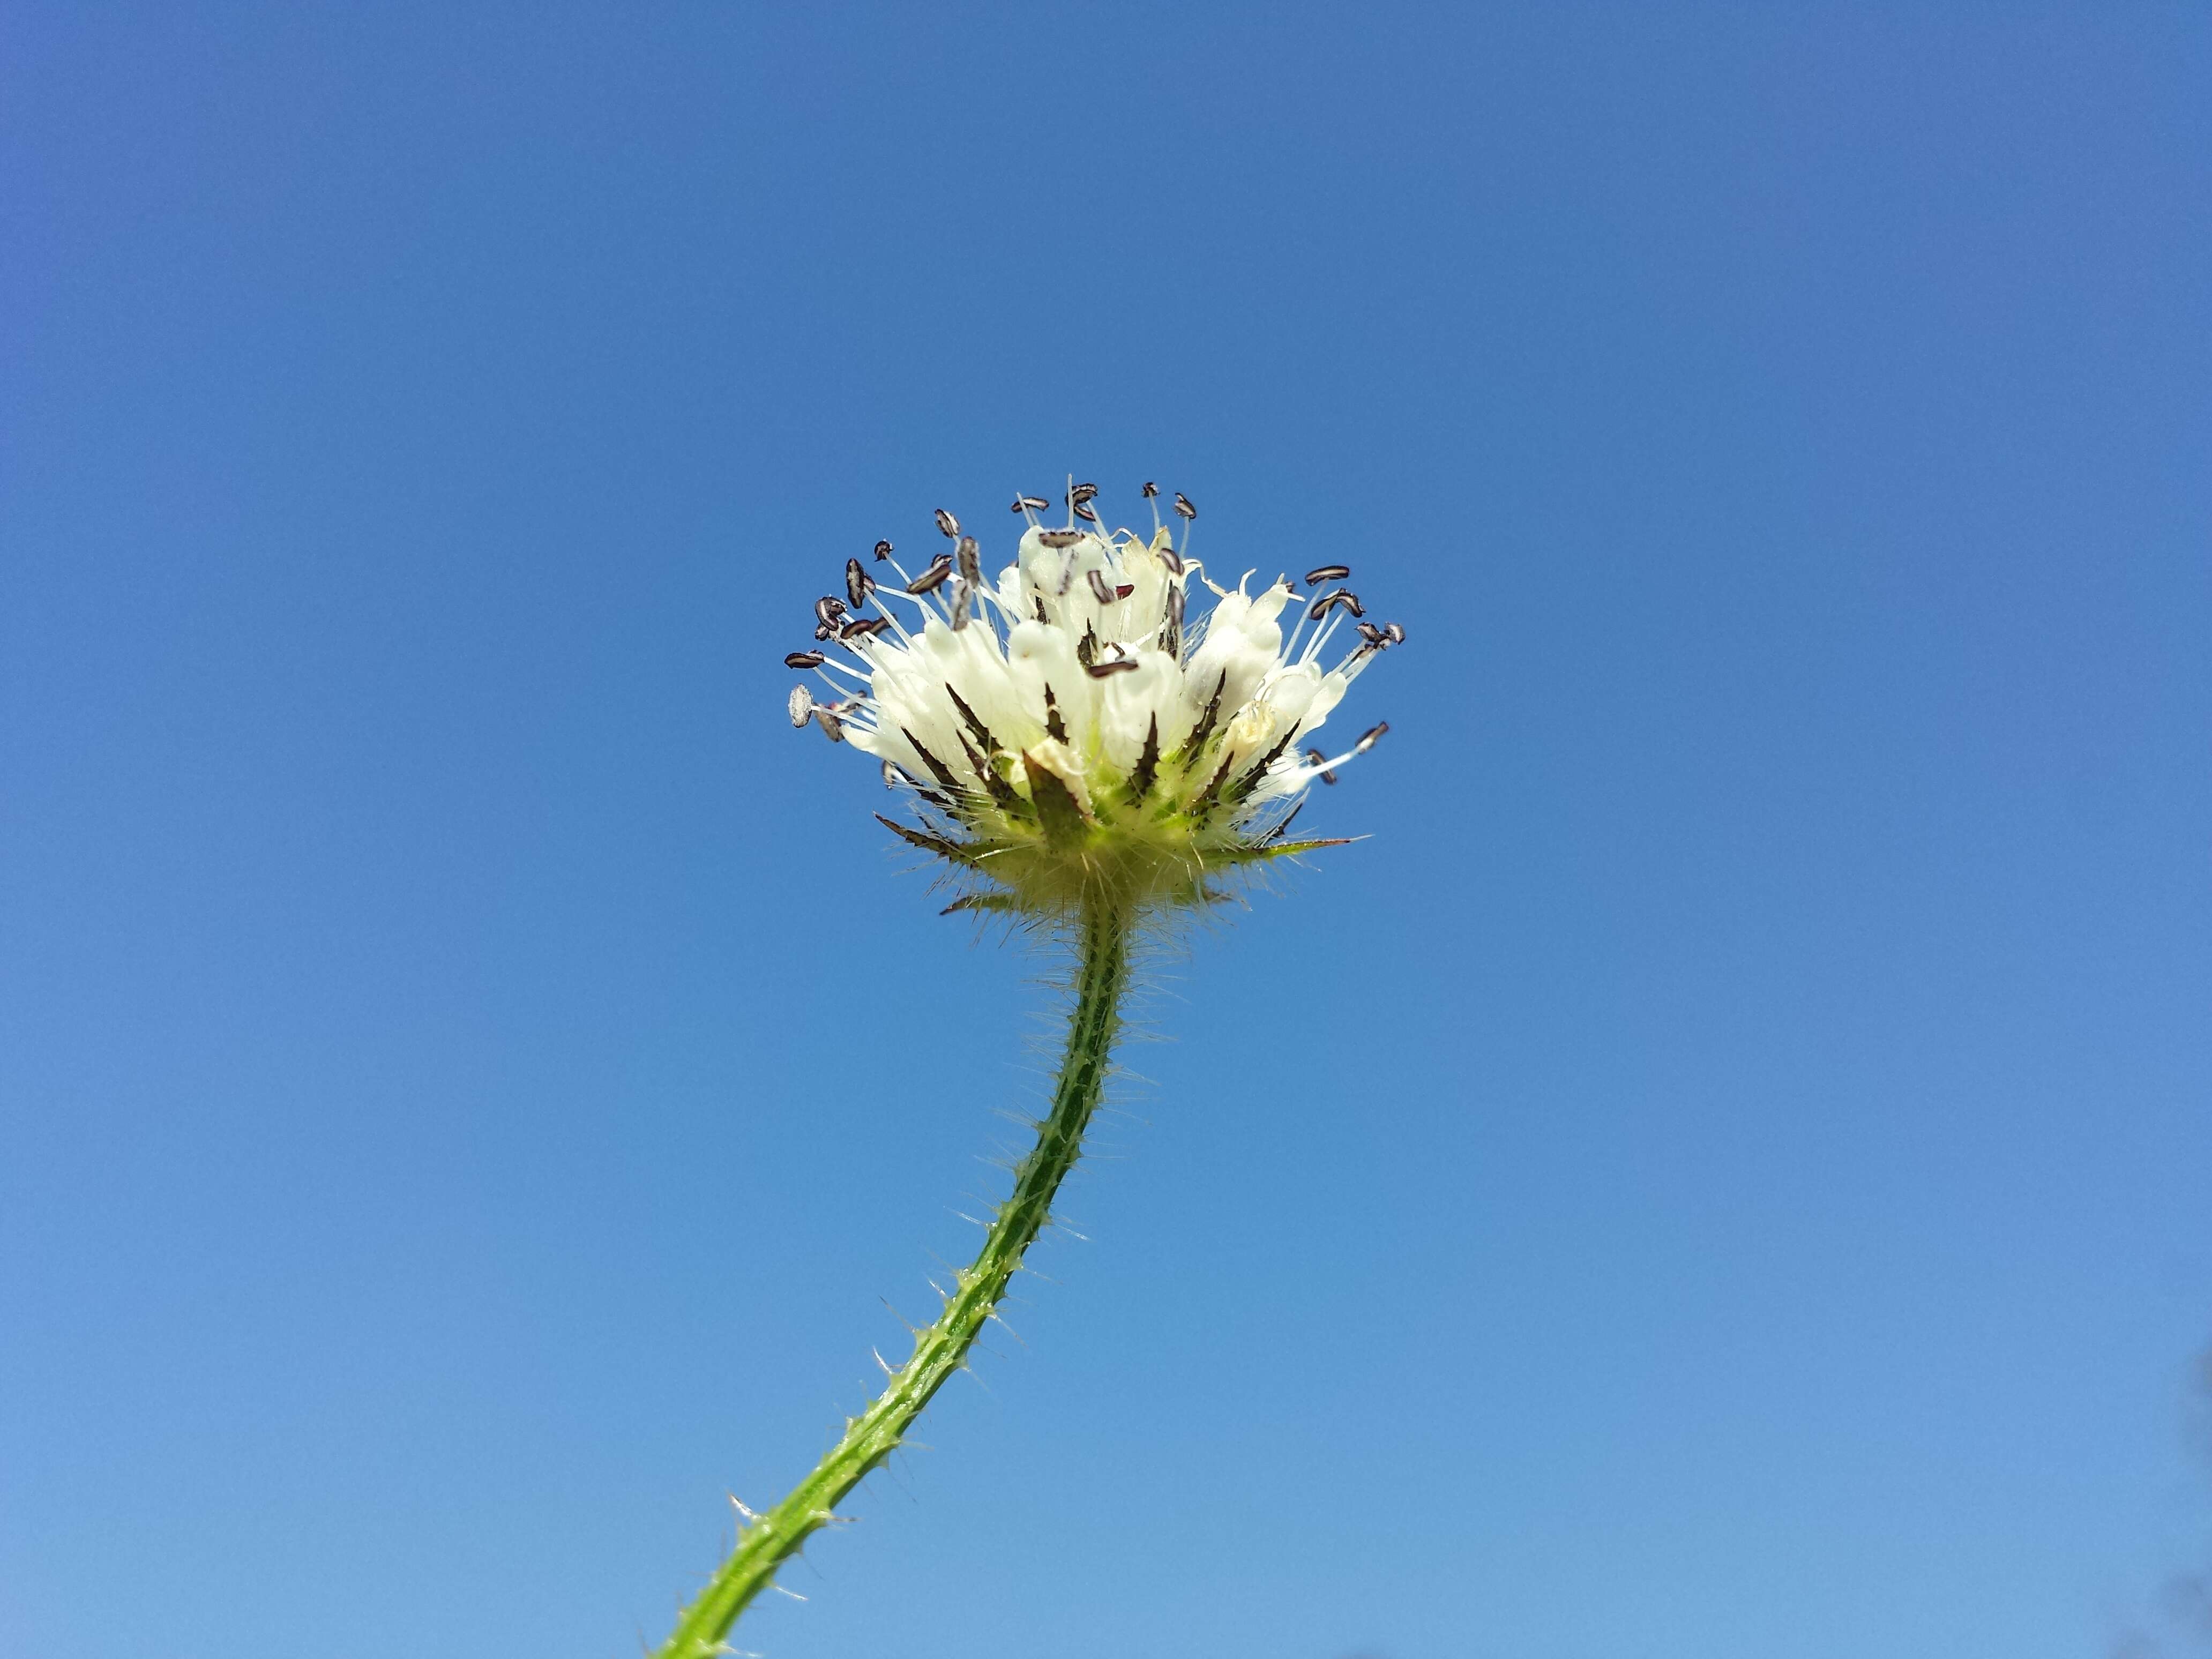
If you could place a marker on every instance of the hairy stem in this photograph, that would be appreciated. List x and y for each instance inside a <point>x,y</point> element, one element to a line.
<point>774,1536</point>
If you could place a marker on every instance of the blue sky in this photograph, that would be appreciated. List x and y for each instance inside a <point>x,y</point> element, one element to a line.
<point>1718,1174</point>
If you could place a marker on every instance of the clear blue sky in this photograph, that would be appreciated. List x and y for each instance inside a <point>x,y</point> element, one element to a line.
<point>1720,1175</point>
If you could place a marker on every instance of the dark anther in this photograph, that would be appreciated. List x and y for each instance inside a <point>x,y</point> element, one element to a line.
<point>1099,671</point>
<point>939,568</point>
<point>1152,491</point>
<point>804,660</point>
<point>829,608</point>
<point>1030,504</point>
<point>1328,573</point>
<point>857,626</point>
<point>963,601</point>
<point>1371,737</point>
<point>947,523</point>
<point>1372,634</point>
<point>1183,506</point>
<point>1082,493</point>
<point>1059,538</point>
<point>1315,757</point>
<point>1329,601</point>
<point>1394,633</point>
<point>857,582</point>
<point>971,564</point>
<point>1085,512</point>
<point>1173,560</point>
<point>883,550</point>
<point>1099,590</point>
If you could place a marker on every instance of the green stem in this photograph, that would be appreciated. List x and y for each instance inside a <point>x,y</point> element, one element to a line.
<point>772,1537</point>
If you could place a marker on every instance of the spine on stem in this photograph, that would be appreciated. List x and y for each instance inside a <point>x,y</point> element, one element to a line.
<point>773,1536</point>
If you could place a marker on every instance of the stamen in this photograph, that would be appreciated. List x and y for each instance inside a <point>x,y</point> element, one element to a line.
<point>939,568</point>
<point>1315,645</point>
<point>1329,601</point>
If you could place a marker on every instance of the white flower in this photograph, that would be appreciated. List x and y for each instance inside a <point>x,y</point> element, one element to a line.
<point>1074,725</point>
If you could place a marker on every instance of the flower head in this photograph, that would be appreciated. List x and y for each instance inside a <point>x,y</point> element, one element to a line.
<point>1077,727</point>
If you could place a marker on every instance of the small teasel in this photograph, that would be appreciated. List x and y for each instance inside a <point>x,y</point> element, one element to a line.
<point>1097,737</point>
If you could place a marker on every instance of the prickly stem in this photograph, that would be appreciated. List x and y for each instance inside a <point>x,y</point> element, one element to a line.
<point>773,1536</point>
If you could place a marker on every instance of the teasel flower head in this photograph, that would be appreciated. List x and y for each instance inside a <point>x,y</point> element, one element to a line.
<point>1099,718</point>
